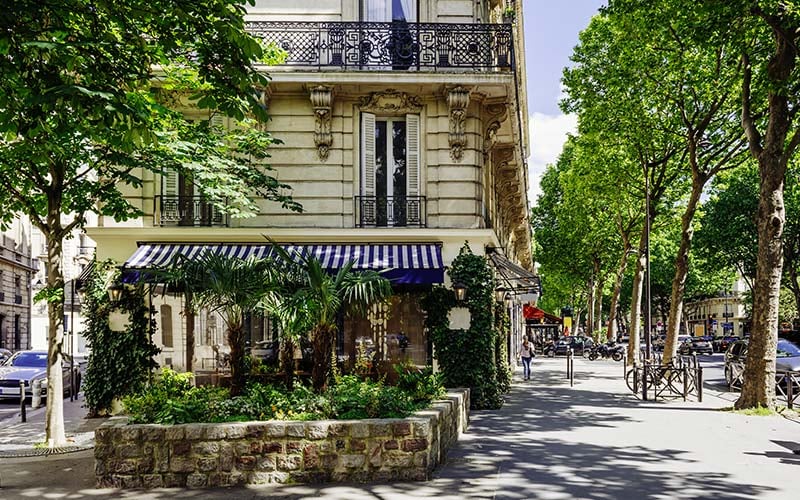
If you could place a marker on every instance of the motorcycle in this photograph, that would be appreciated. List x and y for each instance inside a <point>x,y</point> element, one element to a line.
<point>615,352</point>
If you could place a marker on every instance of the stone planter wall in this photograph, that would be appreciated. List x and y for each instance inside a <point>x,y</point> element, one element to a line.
<point>207,455</point>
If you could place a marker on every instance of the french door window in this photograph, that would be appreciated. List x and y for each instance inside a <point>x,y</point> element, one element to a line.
<point>390,170</point>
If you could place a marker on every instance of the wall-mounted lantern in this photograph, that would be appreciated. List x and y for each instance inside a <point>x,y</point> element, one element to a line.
<point>460,290</point>
<point>115,292</point>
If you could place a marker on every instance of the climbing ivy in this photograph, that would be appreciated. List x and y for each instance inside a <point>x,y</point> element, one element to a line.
<point>120,363</point>
<point>467,358</point>
<point>502,334</point>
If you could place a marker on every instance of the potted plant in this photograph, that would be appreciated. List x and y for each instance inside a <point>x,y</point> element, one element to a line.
<point>509,14</point>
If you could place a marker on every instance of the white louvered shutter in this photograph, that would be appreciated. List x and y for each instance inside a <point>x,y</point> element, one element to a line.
<point>412,154</point>
<point>170,183</point>
<point>368,154</point>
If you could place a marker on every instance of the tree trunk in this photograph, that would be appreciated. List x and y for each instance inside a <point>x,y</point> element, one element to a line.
<point>758,387</point>
<point>636,302</point>
<point>598,305</point>
<point>55,435</point>
<point>590,306</point>
<point>287,362</point>
<point>681,271</point>
<point>236,343</point>
<point>323,342</point>
<point>612,310</point>
<point>188,311</point>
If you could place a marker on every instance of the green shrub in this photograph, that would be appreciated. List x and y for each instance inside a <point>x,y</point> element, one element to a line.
<point>171,399</point>
<point>421,384</point>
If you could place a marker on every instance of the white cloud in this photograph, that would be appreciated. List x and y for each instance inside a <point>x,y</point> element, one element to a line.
<point>548,135</point>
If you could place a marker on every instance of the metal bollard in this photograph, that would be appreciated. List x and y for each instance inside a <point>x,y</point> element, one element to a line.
<point>789,391</point>
<point>571,368</point>
<point>685,381</point>
<point>644,382</point>
<point>699,384</point>
<point>23,417</point>
<point>36,397</point>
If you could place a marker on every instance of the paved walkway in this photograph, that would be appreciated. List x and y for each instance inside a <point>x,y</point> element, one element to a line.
<point>550,441</point>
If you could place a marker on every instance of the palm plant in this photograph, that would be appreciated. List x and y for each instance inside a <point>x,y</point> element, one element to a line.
<point>231,287</point>
<point>320,297</point>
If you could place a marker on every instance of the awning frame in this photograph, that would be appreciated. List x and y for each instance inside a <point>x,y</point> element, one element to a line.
<point>514,277</point>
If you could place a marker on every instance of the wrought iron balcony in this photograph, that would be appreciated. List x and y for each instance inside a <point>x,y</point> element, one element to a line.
<point>388,211</point>
<point>389,46</point>
<point>187,211</point>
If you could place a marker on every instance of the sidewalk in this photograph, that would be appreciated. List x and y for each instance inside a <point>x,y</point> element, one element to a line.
<point>549,441</point>
<point>18,436</point>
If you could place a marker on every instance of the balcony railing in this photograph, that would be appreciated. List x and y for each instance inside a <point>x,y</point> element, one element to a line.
<point>187,211</point>
<point>392,45</point>
<point>388,211</point>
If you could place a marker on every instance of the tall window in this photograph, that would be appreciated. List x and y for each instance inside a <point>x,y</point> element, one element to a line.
<point>166,325</point>
<point>390,10</point>
<point>390,169</point>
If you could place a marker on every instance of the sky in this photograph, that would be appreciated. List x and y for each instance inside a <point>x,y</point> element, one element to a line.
<point>551,32</point>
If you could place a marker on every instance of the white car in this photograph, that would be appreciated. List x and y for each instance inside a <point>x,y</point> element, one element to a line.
<point>29,366</point>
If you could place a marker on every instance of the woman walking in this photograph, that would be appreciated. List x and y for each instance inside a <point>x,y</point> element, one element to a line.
<point>526,353</point>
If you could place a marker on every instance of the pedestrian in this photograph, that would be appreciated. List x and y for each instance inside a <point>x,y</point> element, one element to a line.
<point>526,353</point>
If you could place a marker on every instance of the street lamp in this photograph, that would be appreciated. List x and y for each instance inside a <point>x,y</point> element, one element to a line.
<point>500,295</point>
<point>647,299</point>
<point>460,290</point>
<point>115,292</point>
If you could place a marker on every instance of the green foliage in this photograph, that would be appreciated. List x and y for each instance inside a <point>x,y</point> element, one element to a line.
<point>421,384</point>
<point>502,334</point>
<point>467,358</point>
<point>120,363</point>
<point>171,399</point>
<point>355,398</point>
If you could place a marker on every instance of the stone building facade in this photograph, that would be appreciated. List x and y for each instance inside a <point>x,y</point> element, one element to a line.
<point>16,269</point>
<point>405,134</point>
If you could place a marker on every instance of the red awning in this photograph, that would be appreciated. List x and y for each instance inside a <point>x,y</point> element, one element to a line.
<point>534,313</point>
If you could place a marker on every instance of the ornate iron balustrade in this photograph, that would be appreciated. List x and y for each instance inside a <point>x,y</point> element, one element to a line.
<point>392,45</point>
<point>188,211</point>
<point>388,211</point>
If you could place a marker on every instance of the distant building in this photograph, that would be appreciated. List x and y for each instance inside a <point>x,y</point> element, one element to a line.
<point>721,315</point>
<point>405,132</point>
<point>16,269</point>
<point>78,253</point>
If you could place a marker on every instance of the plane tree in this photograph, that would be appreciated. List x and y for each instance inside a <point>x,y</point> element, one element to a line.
<point>81,120</point>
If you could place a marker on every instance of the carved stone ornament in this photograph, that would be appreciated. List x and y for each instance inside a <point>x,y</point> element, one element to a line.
<point>322,102</point>
<point>457,102</point>
<point>390,102</point>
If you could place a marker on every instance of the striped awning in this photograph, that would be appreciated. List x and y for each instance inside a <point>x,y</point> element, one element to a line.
<point>404,263</point>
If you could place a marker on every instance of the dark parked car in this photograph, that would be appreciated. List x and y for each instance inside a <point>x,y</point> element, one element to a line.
<point>721,343</point>
<point>30,366</point>
<point>696,345</point>
<point>577,344</point>
<point>787,359</point>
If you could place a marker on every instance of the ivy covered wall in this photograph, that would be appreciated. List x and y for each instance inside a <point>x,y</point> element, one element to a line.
<point>121,362</point>
<point>473,357</point>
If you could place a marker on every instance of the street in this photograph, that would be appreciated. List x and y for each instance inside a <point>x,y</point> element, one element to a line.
<point>551,441</point>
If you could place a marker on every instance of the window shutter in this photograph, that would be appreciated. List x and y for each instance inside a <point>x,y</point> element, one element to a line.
<point>170,183</point>
<point>412,154</point>
<point>218,121</point>
<point>368,154</point>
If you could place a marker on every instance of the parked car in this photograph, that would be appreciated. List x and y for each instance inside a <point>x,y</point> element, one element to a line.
<point>30,366</point>
<point>577,344</point>
<point>721,343</point>
<point>696,345</point>
<point>787,359</point>
<point>659,342</point>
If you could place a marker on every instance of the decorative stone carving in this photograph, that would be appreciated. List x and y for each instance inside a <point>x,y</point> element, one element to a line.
<point>495,114</point>
<point>322,102</point>
<point>457,102</point>
<point>390,102</point>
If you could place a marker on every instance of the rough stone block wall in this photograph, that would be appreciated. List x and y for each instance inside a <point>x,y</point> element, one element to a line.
<point>209,455</point>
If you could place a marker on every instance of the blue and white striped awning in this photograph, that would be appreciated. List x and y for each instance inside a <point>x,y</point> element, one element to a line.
<point>406,263</point>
